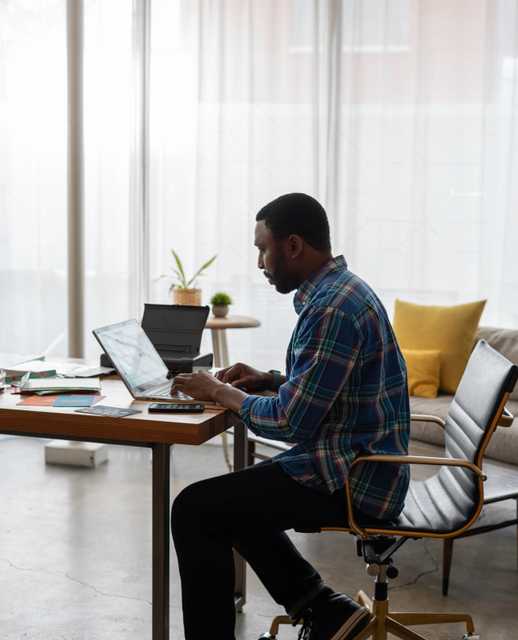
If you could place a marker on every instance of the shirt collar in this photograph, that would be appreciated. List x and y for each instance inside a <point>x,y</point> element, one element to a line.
<point>309,286</point>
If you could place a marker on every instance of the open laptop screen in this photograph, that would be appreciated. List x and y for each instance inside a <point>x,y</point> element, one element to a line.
<point>133,354</point>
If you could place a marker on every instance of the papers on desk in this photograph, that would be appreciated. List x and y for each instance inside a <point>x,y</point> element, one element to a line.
<point>87,371</point>
<point>74,370</point>
<point>54,400</point>
<point>37,369</point>
<point>59,385</point>
<point>45,369</point>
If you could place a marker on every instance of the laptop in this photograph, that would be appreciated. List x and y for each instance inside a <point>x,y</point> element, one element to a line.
<point>137,361</point>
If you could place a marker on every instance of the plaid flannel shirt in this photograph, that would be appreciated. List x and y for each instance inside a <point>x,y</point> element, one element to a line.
<point>345,394</point>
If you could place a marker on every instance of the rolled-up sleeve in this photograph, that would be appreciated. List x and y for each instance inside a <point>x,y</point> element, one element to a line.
<point>325,352</point>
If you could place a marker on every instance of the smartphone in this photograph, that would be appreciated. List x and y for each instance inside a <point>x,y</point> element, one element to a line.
<point>172,407</point>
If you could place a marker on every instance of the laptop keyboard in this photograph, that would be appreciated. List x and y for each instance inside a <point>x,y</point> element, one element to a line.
<point>162,394</point>
<point>166,393</point>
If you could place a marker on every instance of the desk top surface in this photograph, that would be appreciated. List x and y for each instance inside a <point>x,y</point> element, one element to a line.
<point>143,428</point>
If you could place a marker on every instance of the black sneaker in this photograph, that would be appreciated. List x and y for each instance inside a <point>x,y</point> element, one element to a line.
<point>340,618</point>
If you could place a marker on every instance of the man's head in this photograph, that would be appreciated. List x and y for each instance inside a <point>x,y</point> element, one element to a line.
<point>292,236</point>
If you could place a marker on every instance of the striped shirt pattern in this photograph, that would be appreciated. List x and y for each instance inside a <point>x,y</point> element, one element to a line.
<point>345,394</point>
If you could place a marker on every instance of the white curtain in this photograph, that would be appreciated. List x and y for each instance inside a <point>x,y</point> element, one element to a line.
<point>33,311</point>
<point>33,170</point>
<point>112,158</point>
<point>398,115</point>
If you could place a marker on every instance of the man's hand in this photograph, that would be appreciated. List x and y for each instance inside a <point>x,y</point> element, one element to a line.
<point>201,385</point>
<point>245,377</point>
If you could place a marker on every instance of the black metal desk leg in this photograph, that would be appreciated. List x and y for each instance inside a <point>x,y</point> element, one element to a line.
<point>161,518</point>
<point>240,462</point>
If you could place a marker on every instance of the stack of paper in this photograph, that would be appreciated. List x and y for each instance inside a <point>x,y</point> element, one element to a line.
<point>82,370</point>
<point>37,369</point>
<point>59,385</point>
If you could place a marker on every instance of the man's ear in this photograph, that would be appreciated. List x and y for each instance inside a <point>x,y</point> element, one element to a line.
<point>295,246</point>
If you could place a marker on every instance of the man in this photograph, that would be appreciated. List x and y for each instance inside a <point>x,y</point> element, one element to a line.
<point>344,394</point>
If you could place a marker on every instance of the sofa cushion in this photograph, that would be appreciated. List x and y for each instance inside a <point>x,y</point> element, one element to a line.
<point>505,341</point>
<point>503,445</point>
<point>450,330</point>
<point>423,369</point>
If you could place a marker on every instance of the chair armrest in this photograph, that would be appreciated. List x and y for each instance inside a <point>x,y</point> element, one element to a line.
<point>273,444</point>
<point>422,417</point>
<point>428,460</point>
<point>506,419</point>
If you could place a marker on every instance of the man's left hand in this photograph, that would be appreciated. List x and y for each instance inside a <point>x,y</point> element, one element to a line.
<point>200,385</point>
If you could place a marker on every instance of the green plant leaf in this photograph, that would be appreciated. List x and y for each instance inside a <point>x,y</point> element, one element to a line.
<point>177,274</point>
<point>221,298</point>
<point>183,280</point>
<point>201,270</point>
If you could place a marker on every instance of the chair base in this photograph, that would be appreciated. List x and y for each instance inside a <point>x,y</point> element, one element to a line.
<point>396,623</point>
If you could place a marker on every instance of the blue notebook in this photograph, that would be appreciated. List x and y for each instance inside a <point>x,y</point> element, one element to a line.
<point>71,400</point>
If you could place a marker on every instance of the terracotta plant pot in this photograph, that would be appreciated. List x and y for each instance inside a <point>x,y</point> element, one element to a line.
<point>220,310</point>
<point>186,296</point>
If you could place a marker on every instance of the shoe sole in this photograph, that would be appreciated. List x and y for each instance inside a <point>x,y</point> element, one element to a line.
<point>348,626</point>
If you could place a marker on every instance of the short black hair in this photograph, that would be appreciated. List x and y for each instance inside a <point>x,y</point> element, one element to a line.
<point>300,214</point>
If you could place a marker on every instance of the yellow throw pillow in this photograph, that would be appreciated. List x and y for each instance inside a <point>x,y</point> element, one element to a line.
<point>423,369</point>
<point>449,330</point>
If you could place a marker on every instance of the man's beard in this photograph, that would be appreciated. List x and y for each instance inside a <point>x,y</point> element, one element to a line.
<point>281,279</point>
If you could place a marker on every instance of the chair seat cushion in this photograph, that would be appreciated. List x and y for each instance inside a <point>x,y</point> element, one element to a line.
<point>439,504</point>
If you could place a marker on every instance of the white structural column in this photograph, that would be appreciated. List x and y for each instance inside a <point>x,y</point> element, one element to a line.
<point>75,178</point>
<point>139,160</point>
<point>83,454</point>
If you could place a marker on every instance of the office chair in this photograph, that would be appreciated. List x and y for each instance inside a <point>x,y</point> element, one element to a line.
<point>443,506</point>
<point>501,485</point>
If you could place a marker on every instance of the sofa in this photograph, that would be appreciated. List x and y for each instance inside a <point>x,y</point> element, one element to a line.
<point>504,443</point>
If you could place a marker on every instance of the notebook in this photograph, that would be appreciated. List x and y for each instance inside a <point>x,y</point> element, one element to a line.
<point>60,385</point>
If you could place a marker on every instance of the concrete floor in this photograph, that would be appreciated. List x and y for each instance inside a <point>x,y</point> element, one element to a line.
<point>75,550</point>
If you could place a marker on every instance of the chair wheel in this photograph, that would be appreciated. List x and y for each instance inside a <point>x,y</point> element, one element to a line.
<point>267,636</point>
<point>471,636</point>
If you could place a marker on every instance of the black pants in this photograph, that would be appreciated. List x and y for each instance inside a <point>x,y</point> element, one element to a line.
<point>250,511</point>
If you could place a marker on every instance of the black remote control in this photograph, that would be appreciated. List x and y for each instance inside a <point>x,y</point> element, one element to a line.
<point>172,407</point>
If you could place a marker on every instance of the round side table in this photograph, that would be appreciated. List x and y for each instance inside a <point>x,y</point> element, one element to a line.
<point>218,328</point>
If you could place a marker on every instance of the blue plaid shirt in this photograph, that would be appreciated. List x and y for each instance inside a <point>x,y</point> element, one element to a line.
<point>345,394</point>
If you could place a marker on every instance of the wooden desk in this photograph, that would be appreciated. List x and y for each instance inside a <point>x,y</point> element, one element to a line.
<point>157,431</point>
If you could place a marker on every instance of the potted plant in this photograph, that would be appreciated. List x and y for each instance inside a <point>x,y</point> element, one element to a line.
<point>182,291</point>
<point>220,302</point>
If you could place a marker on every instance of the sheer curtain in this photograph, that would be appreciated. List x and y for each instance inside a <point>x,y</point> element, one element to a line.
<point>33,170</point>
<point>398,115</point>
<point>112,159</point>
<point>33,309</point>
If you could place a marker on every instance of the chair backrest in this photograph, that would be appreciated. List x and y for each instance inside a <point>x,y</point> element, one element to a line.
<point>450,500</point>
<point>487,380</point>
<point>472,418</point>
